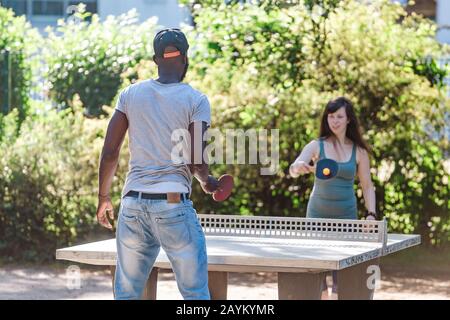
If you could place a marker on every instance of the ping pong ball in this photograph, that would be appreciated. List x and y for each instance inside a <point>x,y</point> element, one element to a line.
<point>326,171</point>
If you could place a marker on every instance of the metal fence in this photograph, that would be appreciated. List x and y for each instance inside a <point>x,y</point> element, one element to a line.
<point>5,82</point>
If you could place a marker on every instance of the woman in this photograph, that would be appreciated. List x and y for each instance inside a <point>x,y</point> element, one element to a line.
<point>340,139</point>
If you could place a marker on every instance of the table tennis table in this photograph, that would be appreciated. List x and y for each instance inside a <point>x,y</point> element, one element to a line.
<point>300,250</point>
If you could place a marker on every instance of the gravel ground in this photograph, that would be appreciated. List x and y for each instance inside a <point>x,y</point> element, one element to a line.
<point>51,283</point>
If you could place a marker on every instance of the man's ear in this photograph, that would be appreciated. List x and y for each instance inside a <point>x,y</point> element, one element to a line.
<point>155,59</point>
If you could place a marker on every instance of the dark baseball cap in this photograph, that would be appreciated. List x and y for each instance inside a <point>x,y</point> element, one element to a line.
<point>170,37</point>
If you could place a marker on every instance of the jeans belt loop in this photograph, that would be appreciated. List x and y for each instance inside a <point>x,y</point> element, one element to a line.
<point>139,196</point>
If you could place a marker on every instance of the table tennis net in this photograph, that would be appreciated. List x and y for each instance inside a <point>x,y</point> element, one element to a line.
<point>294,228</point>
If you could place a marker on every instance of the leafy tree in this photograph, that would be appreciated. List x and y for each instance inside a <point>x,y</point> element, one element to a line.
<point>17,45</point>
<point>275,67</point>
<point>87,57</point>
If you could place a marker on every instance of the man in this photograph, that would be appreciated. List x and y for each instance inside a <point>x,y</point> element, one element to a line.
<point>155,209</point>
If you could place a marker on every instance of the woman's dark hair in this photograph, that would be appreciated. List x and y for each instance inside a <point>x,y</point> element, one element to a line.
<point>353,129</point>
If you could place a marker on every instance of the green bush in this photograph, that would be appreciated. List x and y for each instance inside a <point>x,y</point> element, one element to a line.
<point>49,182</point>
<point>266,66</point>
<point>18,41</point>
<point>275,67</point>
<point>88,57</point>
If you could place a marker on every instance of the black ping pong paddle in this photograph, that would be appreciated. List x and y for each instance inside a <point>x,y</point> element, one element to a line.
<point>326,169</point>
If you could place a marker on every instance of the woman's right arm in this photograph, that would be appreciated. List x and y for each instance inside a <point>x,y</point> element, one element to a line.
<point>301,164</point>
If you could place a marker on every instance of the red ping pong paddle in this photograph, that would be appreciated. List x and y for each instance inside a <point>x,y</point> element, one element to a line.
<point>226,184</point>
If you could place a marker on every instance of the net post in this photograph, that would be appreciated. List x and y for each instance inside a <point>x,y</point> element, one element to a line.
<point>384,237</point>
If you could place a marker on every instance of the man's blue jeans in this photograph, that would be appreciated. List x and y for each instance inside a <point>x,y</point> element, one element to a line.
<point>144,226</point>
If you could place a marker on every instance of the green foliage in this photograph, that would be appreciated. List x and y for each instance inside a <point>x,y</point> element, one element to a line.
<point>49,182</point>
<point>429,68</point>
<point>18,40</point>
<point>265,66</point>
<point>88,57</point>
<point>276,67</point>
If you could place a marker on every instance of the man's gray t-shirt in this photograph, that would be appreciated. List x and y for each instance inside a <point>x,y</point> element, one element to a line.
<point>154,111</point>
